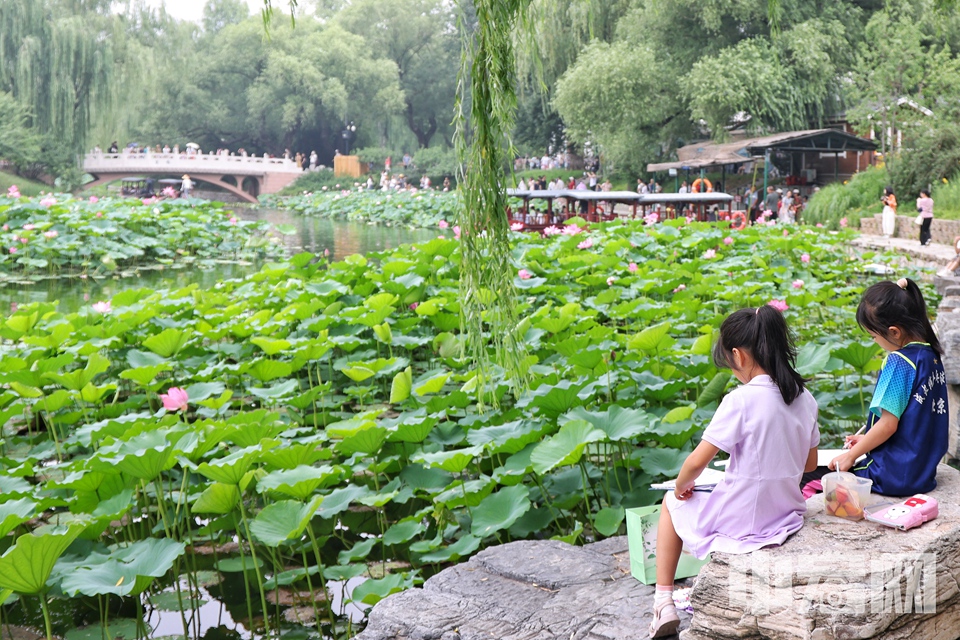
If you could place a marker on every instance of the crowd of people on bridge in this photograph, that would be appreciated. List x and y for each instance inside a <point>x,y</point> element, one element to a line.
<point>192,150</point>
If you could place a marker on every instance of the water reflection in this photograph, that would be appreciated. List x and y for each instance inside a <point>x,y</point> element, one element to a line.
<point>315,235</point>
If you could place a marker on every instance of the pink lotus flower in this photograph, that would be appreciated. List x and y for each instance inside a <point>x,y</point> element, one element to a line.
<point>456,231</point>
<point>728,240</point>
<point>102,307</point>
<point>771,223</point>
<point>610,281</point>
<point>414,305</point>
<point>552,230</point>
<point>95,199</point>
<point>523,274</point>
<point>233,220</point>
<point>767,213</point>
<point>148,201</point>
<point>709,254</point>
<point>798,284</point>
<point>6,227</point>
<point>175,399</point>
<point>23,241</point>
<point>785,233</point>
<point>632,267</point>
<point>779,305</point>
<point>29,227</point>
<point>48,202</point>
<point>516,226</point>
<point>50,234</point>
<point>326,252</point>
<point>819,225</point>
<point>805,258</point>
<point>13,249</point>
<point>99,214</point>
<point>651,218</point>
<point>13,191</point>
<point>441,237</point>
<point>443,224</point>
<point>586,244</point>
<point>169,192</point>
<point>843,222</point>
<point>680,288</point>
<point>571,230</point>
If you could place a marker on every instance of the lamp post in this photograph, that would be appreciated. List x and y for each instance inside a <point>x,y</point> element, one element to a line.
<point>348,133</point>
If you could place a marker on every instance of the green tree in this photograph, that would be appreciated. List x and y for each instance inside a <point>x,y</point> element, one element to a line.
<point>19,143</point>
<point>218,14</point>
<point>621,97</point>
<point>419,36</point>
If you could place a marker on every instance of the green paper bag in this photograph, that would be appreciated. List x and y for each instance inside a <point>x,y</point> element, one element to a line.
<point>642,525</point>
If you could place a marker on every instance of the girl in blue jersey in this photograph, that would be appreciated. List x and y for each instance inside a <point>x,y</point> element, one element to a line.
<point>907,428</point>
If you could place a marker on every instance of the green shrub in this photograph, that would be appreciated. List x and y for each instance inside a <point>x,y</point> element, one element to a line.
<point>858,197</point>
<point>26,186</point>
<point>312,181</point>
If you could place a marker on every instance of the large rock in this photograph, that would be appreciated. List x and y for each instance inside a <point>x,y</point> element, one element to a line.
<point>527,590</point>
<point>836,579</point>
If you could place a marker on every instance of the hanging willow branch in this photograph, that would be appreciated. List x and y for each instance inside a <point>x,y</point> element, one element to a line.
<point>487,82</point>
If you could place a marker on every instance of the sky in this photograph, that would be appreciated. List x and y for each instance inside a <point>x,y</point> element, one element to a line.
<point>193,9</point>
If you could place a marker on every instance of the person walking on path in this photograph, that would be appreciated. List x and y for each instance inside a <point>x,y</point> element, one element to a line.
<point>186,186</point>
<point>925,208</point>
<point>888,221</point>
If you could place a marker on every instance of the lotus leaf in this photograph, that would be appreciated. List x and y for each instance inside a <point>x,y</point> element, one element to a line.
<point>283,521</point>
<point>453,461</point>
<point>299,482</point>
<point>14,513</point>
<point>373,591</point>
<point>25,566</point>
<point>462,547</point>
<point>566,447</point>
<point>217,498</point>
<point>499,510</point>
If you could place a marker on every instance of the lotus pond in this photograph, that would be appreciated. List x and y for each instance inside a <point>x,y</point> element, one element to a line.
<point>315,425</point>
<point>423,209</point>
<point>59,235</point>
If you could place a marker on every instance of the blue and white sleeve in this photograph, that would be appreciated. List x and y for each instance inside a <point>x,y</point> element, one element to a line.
<point>894,385</point>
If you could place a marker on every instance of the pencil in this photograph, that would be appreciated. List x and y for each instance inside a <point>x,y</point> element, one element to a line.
<point>846,445</point>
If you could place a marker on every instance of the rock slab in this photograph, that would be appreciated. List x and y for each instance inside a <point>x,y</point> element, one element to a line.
<point>836,579</point>
<point>527,590</point>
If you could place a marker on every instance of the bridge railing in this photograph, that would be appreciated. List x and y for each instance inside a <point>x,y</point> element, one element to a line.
<point>186,163</point>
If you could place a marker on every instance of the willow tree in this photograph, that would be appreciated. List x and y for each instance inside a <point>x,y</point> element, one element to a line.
<point>57,63</point>
<point>488,81</point>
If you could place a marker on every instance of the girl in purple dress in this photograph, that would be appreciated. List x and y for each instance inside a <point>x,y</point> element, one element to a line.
<point>768,426</point>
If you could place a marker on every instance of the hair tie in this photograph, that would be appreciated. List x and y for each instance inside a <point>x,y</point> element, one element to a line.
<point>757,312</point>
<point>902,283</point>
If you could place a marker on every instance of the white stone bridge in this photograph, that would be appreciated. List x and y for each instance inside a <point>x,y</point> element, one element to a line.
<point>244,176</point>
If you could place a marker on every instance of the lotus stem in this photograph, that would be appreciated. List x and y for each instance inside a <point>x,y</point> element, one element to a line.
<point>46,616</point>
<point>323,579</point>
<point>256,568</point>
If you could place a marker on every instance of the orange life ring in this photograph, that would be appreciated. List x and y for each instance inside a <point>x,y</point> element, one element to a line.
<point>701,182</point>
<point>738,215</point>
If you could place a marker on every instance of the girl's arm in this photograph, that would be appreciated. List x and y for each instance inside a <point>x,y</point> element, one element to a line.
<point>811,461</point>
<point>692,467</point>
<point>879,433</point>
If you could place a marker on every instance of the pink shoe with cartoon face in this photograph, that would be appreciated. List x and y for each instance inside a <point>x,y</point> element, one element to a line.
<point>908,514</point>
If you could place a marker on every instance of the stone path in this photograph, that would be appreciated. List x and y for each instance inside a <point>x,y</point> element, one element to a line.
<point>929,255</point>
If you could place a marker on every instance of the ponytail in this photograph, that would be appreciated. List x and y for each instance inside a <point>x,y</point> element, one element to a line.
<point>897,304</point>
<point>764,333</point>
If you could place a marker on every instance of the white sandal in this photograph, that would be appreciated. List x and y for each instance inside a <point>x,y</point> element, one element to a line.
<point>665,620</point>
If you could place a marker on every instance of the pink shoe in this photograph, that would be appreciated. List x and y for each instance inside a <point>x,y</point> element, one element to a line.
<point>665,620</point>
